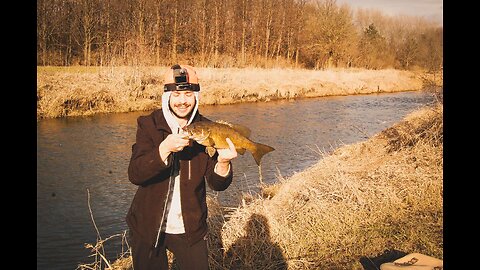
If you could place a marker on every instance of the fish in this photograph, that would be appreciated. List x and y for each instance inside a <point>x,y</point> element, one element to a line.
<point>213,134</point>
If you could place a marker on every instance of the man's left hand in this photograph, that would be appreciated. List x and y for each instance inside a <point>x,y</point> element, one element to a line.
<point>227,154</point>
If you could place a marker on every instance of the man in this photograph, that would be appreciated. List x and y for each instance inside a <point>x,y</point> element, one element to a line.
<point>169,210</point>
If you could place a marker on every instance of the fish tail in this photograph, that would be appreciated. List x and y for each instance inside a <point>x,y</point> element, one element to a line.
<point>259,151</point>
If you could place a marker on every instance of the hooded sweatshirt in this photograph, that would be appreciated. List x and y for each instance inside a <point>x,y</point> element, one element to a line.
<point>174,223</point>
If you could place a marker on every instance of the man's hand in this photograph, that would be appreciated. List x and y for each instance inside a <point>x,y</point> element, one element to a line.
<point>227,154</point>
<point>224,156</point>
<point>172,143</point>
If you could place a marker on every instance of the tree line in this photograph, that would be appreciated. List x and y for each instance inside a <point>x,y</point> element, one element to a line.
<point>315,34</point>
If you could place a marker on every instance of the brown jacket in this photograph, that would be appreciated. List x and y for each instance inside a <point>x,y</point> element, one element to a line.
<point>147,214</point>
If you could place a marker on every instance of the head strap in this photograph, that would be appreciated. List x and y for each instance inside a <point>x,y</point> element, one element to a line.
<point>181,87</point>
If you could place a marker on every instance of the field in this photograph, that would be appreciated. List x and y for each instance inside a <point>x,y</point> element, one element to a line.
<point>77,91</point>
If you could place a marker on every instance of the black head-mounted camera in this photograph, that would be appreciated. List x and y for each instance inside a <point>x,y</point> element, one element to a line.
<point>180,76</point>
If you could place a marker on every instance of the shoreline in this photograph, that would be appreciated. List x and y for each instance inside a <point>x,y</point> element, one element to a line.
<point>86,91</point>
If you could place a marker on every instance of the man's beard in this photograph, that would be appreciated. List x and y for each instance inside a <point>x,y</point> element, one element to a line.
<point>186,117</point>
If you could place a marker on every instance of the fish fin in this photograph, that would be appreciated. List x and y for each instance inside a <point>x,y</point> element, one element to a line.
<point>210,141</point>
<point>222,122</point>
<point>241,151</point>
<point>210,150</point>
<point>243,130</point>
<point>259,151</point>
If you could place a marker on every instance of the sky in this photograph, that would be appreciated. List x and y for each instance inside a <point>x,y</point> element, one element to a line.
<point>431,10</point>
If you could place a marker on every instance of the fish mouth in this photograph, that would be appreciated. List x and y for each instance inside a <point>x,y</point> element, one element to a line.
<point>199,138</point>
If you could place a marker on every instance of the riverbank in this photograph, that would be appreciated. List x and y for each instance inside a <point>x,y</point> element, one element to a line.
<point>83,91</point>
<point>364,198</point>
<point>382,193</point>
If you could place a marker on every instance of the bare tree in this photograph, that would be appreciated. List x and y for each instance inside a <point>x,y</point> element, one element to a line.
<point>431,49</point>
<point>48,23</point>
<point>331,32</point>
<point>88,21</point>
<point>408,52</point>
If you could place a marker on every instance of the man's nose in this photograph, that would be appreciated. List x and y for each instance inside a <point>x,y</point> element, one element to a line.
<point>183,98</point>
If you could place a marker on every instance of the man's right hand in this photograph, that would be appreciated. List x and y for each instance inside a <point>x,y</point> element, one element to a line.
<point>172,143</point>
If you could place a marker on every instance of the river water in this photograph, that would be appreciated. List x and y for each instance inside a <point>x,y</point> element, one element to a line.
<point>85,158</point>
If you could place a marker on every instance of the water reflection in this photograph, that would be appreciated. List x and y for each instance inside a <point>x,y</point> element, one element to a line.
<point>92,153</point>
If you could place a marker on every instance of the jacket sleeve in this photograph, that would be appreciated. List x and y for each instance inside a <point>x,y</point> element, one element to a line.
<point>215,181</point>
<point>145,162</point>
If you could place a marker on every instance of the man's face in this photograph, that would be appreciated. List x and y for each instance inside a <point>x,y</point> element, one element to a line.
<point>182,103</point>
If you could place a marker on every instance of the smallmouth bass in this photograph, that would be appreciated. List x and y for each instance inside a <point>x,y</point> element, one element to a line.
<point>213,135</point>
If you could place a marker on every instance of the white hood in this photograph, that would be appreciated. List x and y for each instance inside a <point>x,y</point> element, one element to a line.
<point>171,120</point>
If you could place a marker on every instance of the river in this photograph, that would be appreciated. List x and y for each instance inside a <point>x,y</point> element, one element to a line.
<point>82,156</point>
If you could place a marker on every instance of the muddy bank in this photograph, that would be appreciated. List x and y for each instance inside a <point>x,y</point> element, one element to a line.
<point>76,91</point>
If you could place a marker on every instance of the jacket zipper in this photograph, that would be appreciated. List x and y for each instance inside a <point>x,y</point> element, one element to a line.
<point>166,199</point>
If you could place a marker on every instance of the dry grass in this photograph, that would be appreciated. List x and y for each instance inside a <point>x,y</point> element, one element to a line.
<point>74,91</point>
<point>364,198</point>
<point>123,262</point>
<point>63,91</point>
<point>383,193</point>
